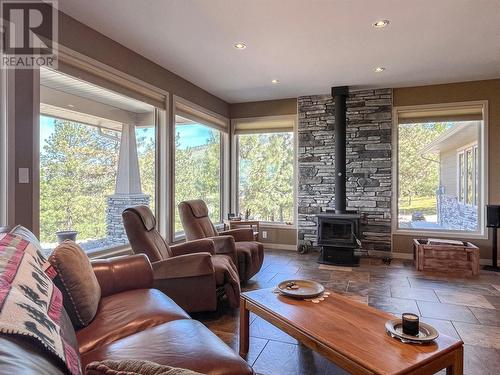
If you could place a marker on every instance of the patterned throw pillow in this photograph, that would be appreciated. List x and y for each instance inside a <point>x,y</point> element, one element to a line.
<point>77,281</point>
<point>134,367</point>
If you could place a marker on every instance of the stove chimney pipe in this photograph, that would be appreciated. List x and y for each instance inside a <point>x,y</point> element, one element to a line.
<point>339,94</point>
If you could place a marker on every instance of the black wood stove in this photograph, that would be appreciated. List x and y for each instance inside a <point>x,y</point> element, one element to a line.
<point>338,230</point>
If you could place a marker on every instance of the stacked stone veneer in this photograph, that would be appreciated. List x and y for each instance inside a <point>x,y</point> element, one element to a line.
<point>369,165</point>
<point>117,203</point>
<point>455,215</point>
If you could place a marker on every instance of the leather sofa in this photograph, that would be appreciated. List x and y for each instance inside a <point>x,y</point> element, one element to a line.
<point>190,273</point>
<point>133,321</point>
<point>197,225</point>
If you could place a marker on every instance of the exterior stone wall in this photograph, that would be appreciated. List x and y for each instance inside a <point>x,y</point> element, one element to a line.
<point>455,215</point>
<point>115,232</point>
<point>369,165</point>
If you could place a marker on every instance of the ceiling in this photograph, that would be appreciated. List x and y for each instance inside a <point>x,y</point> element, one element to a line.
<point>309,45</point>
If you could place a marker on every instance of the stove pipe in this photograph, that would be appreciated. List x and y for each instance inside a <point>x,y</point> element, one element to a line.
<point>339,94</point>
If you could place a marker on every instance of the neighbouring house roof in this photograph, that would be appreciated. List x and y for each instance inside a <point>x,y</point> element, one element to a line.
<point>461,134</point>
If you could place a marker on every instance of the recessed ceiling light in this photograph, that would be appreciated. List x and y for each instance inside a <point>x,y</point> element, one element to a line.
<point>240,45</point>
<point>379,69</point>
<point>380,24</point>
<point>275,81</point>
<point>71,106</point>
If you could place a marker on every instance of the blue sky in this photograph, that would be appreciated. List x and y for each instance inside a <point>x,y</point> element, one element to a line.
<point>190,135</point>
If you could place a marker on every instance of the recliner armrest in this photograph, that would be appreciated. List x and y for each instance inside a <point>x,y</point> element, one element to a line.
<point>119,274</point>
<point>240,234</point>
<point>197,246</point>
<point>189,265</point>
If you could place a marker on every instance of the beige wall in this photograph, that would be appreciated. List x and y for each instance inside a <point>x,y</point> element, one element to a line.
<point>81,38</point>
<point>459,92</point>
<point>279,107</point>
<point>279,235</point>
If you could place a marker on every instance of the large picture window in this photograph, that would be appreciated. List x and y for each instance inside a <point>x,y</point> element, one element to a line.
<point>97,157</point>
<point>265,170</point>
<point>198,167</point>
<point>440,171</point>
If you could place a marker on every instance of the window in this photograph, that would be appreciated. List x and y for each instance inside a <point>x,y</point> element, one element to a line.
<point>265,169</point>
<point>198,167</point>
<point>97,157</point>
<point>440,169</point>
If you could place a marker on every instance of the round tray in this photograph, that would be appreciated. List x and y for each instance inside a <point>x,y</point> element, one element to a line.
<point>306,288</point>
<point>426,333</point>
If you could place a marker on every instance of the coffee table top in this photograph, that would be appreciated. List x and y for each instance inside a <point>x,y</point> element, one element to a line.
<point>351,329</point>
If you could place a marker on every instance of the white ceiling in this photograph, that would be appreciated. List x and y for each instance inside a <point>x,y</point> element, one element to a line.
<point>309,45</point>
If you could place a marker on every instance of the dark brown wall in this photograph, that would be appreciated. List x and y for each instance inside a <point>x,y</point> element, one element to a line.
<point>279,107</point>
<point>87,41</point>
<point>458,92</point>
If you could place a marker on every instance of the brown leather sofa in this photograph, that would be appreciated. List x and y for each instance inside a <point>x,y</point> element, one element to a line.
<point>189,273</point>
<point>197,225</point>
<point>133,321</point>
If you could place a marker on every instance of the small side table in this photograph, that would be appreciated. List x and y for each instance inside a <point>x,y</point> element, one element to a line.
<point>252,224</point>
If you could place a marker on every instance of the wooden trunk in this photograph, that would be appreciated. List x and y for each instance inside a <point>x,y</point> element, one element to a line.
<point>446,258</point>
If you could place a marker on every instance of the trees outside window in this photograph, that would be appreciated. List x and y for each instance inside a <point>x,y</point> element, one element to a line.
<point>197,167</point>
<point>265,171</point>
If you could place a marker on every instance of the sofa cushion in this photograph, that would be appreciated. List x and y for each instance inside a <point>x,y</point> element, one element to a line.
<point>134,367</point>
<point>77,281</point>
<point>123,314</point>
<point>181,343</point>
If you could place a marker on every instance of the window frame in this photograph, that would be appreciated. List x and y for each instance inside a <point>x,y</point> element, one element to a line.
<point>482,143</point>
<point>235,201</point>
<point>185,108</point>
<point>96,70</point>
<point>462,181</point>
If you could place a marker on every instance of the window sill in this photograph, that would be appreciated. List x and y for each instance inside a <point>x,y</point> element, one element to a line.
<point>269,224</point>
<point>110,252</point>
<point>443,234</point>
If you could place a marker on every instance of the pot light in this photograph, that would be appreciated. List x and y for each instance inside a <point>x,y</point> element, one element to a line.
<point>381,24</point>
<point>240,45</point>
<point>379,69</point>
<point>275,81</point>
<point>71,106</point>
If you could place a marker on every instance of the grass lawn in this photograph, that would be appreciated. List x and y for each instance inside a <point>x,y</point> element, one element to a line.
<point>426,205</point>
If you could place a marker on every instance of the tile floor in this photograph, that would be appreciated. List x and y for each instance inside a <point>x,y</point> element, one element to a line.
<point>466,308</point>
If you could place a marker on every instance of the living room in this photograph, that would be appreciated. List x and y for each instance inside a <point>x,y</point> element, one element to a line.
<point>231,187</point>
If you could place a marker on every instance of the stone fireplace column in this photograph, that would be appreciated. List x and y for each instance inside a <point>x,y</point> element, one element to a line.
<point>128,191</point>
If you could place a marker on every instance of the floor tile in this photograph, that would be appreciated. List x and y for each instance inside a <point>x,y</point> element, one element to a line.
<point>392,305</point>
<point>232,340</point>
<point>444,327</point>
<point>466,299</point>
<point>369,289</point>
<point>262,329</point>
<point>479,360</point>
<point>414,293</point>
<point>479,335</point>
<point>488,317</point>
<point>446,312</point>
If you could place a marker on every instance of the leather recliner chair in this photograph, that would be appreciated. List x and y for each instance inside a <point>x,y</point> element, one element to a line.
<point>190,273</point>
<point>197,225</point>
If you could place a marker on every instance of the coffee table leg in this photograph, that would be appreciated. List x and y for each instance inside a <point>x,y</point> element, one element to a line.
<point>458,364</point>
<point>244,328</point>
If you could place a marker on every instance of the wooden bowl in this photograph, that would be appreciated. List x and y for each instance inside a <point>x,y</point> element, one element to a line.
<point>305,288</point>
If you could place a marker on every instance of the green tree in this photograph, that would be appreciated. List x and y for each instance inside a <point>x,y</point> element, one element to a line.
<point>77,171</point>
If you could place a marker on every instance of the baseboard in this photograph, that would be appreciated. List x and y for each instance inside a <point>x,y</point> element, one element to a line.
<point>279,246</point>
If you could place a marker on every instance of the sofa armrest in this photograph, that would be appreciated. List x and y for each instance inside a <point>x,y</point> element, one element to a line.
<point>197,246</point>
<point>119,274</point>
<point>240,234</point>
<point>189,265</point>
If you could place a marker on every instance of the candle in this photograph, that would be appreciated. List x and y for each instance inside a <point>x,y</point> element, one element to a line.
<point>410,324</point>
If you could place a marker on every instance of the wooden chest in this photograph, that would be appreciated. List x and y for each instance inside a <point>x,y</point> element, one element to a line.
<point>446,258</point>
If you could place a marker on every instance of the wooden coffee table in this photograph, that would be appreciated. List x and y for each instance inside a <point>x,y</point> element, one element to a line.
<point>350,334</point>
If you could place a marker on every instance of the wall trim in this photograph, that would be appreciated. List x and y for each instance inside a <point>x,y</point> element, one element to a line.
<point>279,246</point>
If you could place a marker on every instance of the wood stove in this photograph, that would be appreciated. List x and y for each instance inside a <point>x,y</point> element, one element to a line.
<point>338,230</point>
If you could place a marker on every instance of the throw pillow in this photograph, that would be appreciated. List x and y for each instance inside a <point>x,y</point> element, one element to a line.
<point>134,367</point>
<point>77,281</point>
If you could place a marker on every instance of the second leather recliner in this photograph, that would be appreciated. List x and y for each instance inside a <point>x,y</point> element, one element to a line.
<point>191,273</point>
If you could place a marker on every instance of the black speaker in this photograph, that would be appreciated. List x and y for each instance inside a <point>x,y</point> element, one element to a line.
<point>493,216</point>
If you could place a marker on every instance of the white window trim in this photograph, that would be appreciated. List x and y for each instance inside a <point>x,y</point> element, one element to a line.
<point>235,206</point>
<point>462,151</point>
<point>482,233</point>
<point>218,122</point>
<point>95,67</point>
